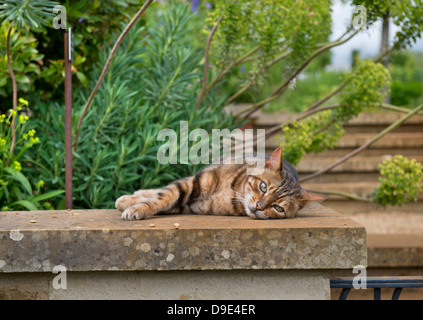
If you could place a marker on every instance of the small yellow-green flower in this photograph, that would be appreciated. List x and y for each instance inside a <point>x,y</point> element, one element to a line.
<point>16,166</point>
<point>34,140</point>
<point>23,101</point>
<point>40,184</point>
<point>12,112</point>
<point>23,119</point>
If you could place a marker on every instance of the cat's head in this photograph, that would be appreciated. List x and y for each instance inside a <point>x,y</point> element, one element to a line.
<point>274,192</point>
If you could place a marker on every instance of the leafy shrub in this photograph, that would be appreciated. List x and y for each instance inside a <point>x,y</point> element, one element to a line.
<point>368,85</point>
<point>407,78</point>
<point>93,24</point>
<point>26,61</point>
<point>307,136</point>
<point>16,191</point>
<point>406,93</point>
<point>400,181</point>
<point>152,84</point>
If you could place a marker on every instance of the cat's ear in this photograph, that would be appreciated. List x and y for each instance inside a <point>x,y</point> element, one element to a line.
<point>275,162</point>
<point>307,197</point>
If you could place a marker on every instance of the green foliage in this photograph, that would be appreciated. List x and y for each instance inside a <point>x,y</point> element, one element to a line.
<point>369,83</point>
<point>367,86</point>
<point>315,134</point>
<point>406,14</point>
<point>28,14</point>
<point>152,84</point>
<point>16,191</point>
<point>93,23</point>
<point>400,181</point>
<point>305,92</point>
<point>406,93</point>
<point>407,78</point>
<point>25,62</point>
<point>271,26</point>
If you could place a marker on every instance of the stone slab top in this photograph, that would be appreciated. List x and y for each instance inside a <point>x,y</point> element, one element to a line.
<point>99,240</point>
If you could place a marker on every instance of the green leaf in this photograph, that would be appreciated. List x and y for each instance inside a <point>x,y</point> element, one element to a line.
<point>81,77</point>
<point>21,78</point>
<point>47,195</point>
<point>25,203</point>
<point>20,178</point>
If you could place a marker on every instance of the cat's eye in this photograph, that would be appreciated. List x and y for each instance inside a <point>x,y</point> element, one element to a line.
<point>263,187</point>
<point>278,208</point>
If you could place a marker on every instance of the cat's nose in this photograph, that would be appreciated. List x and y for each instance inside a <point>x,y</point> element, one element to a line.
<point>259,206</point>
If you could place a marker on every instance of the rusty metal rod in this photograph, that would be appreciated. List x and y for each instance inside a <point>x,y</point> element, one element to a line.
<point>68,125</point>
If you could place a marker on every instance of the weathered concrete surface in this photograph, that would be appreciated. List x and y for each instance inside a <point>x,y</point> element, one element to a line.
<point>98,240</point>
<point>173,285</point>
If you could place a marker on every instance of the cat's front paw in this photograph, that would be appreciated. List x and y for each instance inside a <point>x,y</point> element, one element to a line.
<point>124,202</point>
<point>133,213</point>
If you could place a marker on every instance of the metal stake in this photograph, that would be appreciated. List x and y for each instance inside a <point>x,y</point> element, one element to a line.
<point>68,121</point>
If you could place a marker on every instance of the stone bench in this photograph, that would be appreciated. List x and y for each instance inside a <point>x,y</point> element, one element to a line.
<point>93,254</point>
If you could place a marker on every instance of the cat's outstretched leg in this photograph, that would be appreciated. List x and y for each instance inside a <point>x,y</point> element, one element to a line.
<point>129,200</point>
<point>171,198</point>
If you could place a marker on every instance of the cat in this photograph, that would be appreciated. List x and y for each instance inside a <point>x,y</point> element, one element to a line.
<point>225,189</point>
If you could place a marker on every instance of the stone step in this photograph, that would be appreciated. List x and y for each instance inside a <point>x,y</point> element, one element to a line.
<point>361,189</point>
<point>355,164</point>
<point>378,128</point>
<point>401,140</point>
<point>338,153</point>
<point>364,119</point>
<point>346,206</point>
<point>332,177</point>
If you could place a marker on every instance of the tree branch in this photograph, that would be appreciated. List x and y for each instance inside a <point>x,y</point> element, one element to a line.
<point>277,128</point>
<point>366,145</point>
<point>283,86</point>
<point>250,83</point>
<point>337,193</point>
<point>15,89</point>
<point>395,108</point>
<point>206,63</point>
<point>234,64</point>
<point>107,65</point>
<point>330,95</point>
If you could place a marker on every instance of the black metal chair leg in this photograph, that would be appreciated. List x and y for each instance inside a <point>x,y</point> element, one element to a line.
<point>396,294</point>
<point>377,294</point>
<point>344,293</point>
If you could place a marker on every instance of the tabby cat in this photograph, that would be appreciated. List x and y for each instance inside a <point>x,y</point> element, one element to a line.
<point>225,189</point>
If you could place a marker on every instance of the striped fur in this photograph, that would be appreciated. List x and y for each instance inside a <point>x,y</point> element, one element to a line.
<point>224,190</point>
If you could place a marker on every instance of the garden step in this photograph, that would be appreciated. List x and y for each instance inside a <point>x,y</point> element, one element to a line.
<point>347,206</point>
<point>364,119</point>
<point>361,189</point>
<point>345,176</point>
<point>381,152</point>
<point>402,140</point>
<point>378,128</point>
<point>390,140</point>
<point>355,164</point>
